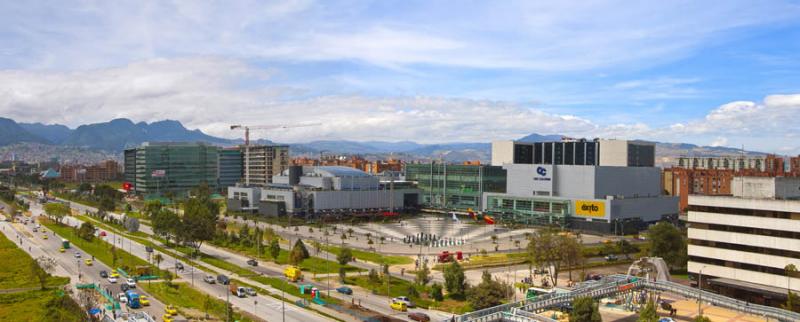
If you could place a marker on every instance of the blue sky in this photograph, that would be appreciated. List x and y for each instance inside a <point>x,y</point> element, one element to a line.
<point>721,73</point>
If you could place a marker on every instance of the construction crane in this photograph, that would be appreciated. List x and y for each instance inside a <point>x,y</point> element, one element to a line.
<point>247,129</point>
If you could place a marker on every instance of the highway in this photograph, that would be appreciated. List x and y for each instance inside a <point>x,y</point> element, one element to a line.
<point>69,265</point>
<point>261,306</point>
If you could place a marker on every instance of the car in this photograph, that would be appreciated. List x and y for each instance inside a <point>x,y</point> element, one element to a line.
<point>124,287</point>
<point>35,230</point>
<point>209,279</point>
<point>170,309</point>
<point>114,274</point>
<point>405,300</point>
<point>179,266</point>
<point>88,262</point>
<point>122,298</point>
<point>103,274</point>
<point>252,262</point>
<point>345,290</point>
<point>61,250</point>
<point>77,254</point>
<point>666,320</point>
<point>250,291</point>
<point>419,317</point>
<point>131,283</point>
<point>44,236</point>
<point>611,257</point>
<point>143,300</point>
<point>222,279</point>
<point>399,306</point>
<point>112,279</point>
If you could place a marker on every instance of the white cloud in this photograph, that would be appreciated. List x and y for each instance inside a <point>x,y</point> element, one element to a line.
<point>720,141</point>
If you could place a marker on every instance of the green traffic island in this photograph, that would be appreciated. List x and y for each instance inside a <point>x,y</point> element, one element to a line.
<point>101,250</point>
<point>372,256</point>
<point>421,295</point>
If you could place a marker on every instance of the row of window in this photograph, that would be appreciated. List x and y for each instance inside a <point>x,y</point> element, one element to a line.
<point>746,212</point>
<point>747,230</point>
<point>746,248</point>
<point>737,265</point>
<point>569,153</point>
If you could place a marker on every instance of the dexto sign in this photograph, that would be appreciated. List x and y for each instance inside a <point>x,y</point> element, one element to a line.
<point>590,208</point>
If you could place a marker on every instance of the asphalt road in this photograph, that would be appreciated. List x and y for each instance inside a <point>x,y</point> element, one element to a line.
<point>36,245</point>
<point>265,307</point>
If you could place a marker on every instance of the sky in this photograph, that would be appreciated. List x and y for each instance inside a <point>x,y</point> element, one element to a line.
<point>703,72</point>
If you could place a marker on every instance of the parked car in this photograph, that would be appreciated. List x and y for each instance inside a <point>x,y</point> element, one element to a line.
<point>250,291</point>
<point>210,279</point>
<point>252,262</point>
<point>419,317</point>
<point>405,300</point>
<point>122,298</point>
<point>103,274</point>
<point>345,290</point>
<point>131,283</point>
<point>222,279</point>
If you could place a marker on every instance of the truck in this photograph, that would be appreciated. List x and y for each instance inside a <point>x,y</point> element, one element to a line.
<point>237,290</point>
<point>133,299</point>
<point>293,273</point>
<point>65,244</point>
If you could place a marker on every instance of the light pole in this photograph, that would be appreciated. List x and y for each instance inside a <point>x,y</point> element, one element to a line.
<point>700,291</point>
<point>283,303</point>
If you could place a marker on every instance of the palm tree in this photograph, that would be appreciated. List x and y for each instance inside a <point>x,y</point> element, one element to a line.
<point>158,259</point>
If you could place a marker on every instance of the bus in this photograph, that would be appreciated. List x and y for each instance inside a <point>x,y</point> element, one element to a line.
<point>133,299</point>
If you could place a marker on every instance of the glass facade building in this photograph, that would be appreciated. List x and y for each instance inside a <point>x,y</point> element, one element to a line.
<point>455,187</point>
<point>157,168</point>
<point>230,169</point>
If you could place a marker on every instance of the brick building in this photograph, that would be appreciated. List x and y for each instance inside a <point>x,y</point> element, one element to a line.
<point>104,171</point>
<point>684,182</point>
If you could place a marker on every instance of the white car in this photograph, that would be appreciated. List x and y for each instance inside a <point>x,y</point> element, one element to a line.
<point>131,283</point>
<point>112,279</point>
<point>405,300</point>
<point>77,254</point>
<point>122,298</point>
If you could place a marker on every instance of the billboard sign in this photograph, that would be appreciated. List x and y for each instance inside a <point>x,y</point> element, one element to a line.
<point>590,208</point>
<point>158,173</point>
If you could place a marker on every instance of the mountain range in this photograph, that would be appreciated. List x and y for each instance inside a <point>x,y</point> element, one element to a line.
<point>118,134</point>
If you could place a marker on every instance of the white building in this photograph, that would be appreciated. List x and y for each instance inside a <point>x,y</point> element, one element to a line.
<point>742,244</point>
<point>608,186</point>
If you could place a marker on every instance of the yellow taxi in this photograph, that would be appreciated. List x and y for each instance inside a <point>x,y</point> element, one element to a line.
<point>170,309</point>
<point>166,317</point>
<point>114,275</point>
<point>88,262</point>
<point>143,300</point>
<point>44,236</point>
<point>61,250</point>
<point>399,306</point>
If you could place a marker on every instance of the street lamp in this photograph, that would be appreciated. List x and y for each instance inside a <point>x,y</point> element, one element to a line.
<point>700,291</point>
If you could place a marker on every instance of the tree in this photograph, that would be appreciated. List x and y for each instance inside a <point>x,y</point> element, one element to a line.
<point>199,219</point>
<point>114,255</point>
<point>86,231</point>
<point>436,292</point>
<point>454,280</point>
<point>571,252</point>
<point>667,242</point>
<point>158,259</point>
<point>41,268</point>
<point>488,293</point>
<point>792,302</point>
<point>423,275</point>
<point>165,223</point>
<point>344,256</point>
<point>624,247</point>
<point>373,277</point>
<point>298,253</point>
<point>545,249</point>
<point>56,210</point>
<point>84,187</point>
<point>648,314</point>
<point>152,207</point>
<point>584,310</point>
<point>274,249</point>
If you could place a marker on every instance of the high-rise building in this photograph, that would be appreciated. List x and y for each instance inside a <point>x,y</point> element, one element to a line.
<point>156,168</point>
<point>769,165</point>
<point>262,162</point>
<point>740,245</point>
<point>231,164</point>
<point>682,182</point>
<point>455,186</point>
<point>615,153</point>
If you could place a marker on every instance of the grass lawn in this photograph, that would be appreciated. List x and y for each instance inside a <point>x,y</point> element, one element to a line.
<point>15,270</point>
<point>184,296</point>
<point>313,265</point>
<point>38,306</point>
<point>98,248</point>
<point>372,257</point>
